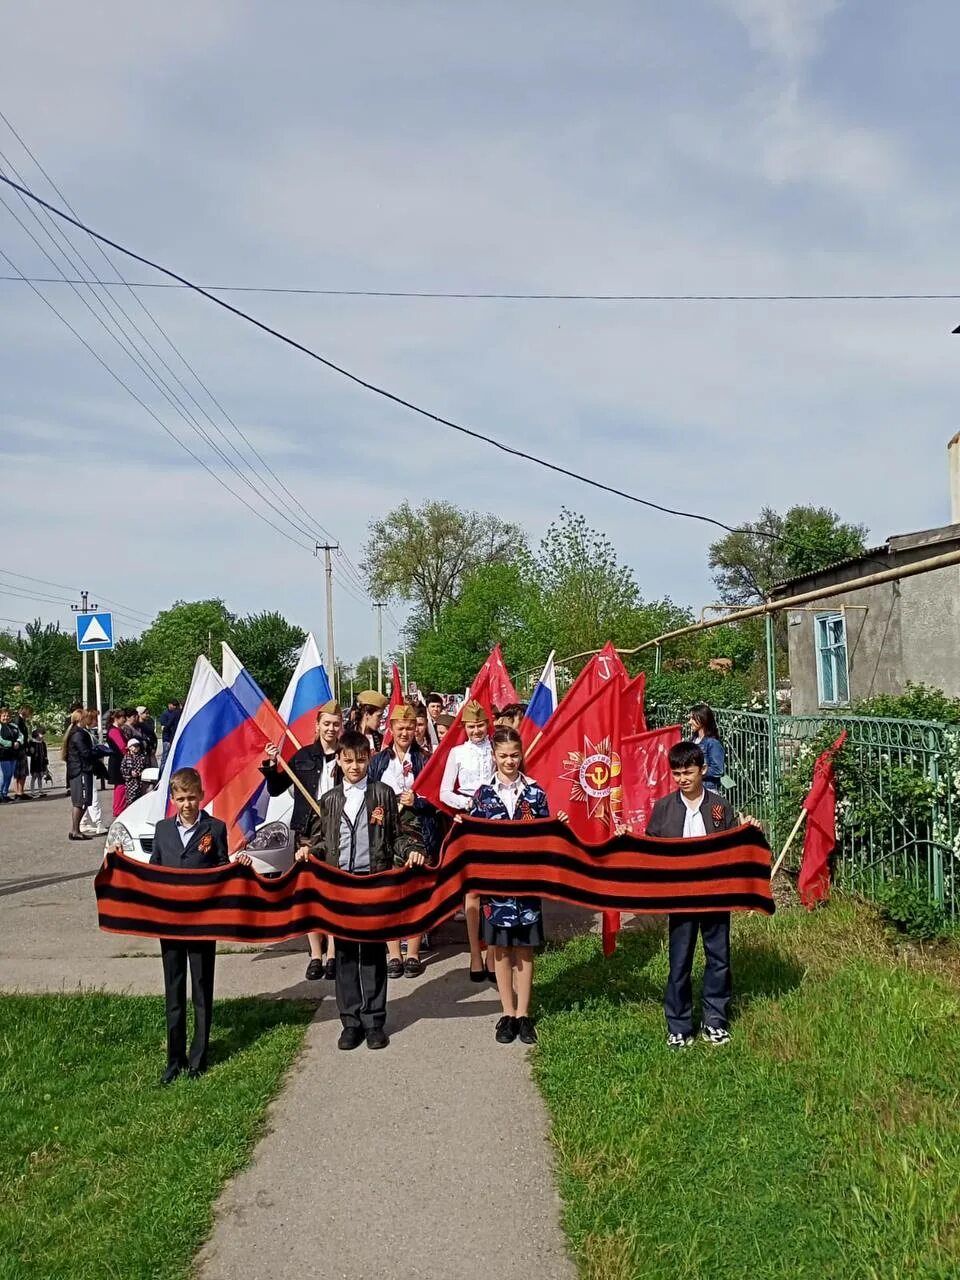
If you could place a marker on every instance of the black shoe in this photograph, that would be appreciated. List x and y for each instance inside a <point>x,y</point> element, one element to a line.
<point>377,1038</point>
<point>413,967</point>
<point>71,836</point>
<point>527,1031</point>
<point>394,968</point>
<point>171,1074</point>
<point>491,976</point>
<point>350,1038</point>
<point>196,1072</point>
<point>507,1029</point>
<point>478,975</point>
<point>315,970</point>
<point>330,970</point>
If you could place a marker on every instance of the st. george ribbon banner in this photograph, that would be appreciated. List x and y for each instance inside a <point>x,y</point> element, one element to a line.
<point>729,871</point>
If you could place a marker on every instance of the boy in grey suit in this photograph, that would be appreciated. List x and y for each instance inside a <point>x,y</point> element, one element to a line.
<point>692,811</point>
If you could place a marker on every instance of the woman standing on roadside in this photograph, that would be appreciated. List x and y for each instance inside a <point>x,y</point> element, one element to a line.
<point>703,731</point>
<point>79,753</point>
<point>9,750</point>
<point>117,743</point>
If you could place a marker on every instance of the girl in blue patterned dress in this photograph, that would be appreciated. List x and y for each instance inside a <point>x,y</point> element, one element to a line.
<point>512,927</point>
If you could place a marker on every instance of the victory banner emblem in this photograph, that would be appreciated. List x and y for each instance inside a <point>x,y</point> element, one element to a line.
<point>594,774</point>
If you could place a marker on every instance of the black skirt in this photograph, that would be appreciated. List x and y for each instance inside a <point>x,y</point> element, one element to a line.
<point>524,935</point>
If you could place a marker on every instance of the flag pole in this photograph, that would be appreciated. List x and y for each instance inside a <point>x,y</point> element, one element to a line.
<point>786,848</point>
<point>311,800</point>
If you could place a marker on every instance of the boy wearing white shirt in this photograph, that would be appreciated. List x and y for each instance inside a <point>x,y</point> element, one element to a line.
<point>358,830</point>
<point>688,812</point>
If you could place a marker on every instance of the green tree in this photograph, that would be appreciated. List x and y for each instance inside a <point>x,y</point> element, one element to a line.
<point>589,596</point>
<point>364,674</point>
<point>422,556</point>
<point>748,562</point>
<point>48,665</point>
<point>498,604</point>
<point>268,646</point>
<point>171,644</point>
<point>122,672</point>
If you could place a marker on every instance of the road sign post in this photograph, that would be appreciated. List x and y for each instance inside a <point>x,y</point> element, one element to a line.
<point>94,632</point>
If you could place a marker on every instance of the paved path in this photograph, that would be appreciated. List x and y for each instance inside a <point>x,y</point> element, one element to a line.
<point>429,1159</point>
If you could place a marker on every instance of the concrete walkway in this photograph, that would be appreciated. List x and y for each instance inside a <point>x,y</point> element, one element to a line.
<point>429,1159</point>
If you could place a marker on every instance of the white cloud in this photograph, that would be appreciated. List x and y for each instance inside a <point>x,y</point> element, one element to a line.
<point>789,30</point>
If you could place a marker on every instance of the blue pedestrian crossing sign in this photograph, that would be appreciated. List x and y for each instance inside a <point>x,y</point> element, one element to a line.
<point>94,631</point>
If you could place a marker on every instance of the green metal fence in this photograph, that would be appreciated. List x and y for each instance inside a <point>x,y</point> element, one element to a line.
<point>898,811</point>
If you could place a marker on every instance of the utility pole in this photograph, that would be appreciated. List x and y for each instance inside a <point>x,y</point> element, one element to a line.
<point>85,607</point>
<point>326,548</point>
<point>379,605</point>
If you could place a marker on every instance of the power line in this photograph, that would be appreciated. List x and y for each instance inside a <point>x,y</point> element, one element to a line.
<point>468,296</point>
<point>389,395</point>
<point>9,573</point>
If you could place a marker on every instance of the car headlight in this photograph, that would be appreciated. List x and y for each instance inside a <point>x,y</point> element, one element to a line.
<point>275,835</point>
<point>119,837</point>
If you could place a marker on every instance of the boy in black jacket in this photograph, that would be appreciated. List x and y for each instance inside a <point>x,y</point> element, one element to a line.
<point>358,830</point>
<point>691,811</point>
<point>190,840</point>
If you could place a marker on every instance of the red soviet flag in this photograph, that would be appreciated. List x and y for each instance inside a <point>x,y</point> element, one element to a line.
<point>396,699</point>
<point>632,714</point>
<point>820,837</point>
<point>502,692</point>
<point>577,760</point>
<point>645,773</point>
<point>431,776</point>
<point>604,668</point>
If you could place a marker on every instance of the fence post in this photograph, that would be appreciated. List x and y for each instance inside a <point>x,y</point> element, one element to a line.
<point>772,761</point>
<point>658,658</point>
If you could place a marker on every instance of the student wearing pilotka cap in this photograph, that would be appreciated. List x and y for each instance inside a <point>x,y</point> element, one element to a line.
<point>468,768</point>
<point>399,765</point>
<point>316,767</point>
<point>371,706</point>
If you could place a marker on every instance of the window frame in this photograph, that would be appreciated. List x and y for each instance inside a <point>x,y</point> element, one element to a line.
<point>822,620</point>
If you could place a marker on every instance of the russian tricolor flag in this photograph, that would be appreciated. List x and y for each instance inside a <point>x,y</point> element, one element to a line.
<point>221,741</point>
<point>306,693</point>
<point>542,704</point>
<point>259,707</point>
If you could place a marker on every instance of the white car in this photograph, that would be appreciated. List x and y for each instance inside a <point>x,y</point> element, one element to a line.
<point>271,847</point>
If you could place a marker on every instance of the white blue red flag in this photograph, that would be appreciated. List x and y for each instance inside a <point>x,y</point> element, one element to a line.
<point>306,693</point>
<point>222,742</point>
<point>259,707</point>
<point>542,704</point>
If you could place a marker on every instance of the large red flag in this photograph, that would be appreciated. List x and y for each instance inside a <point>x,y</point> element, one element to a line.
<point>646,774</point>
<point>820,837</point>
<point>577,761</point>
<point>396,698</point>
<point>632,714</point>
<point>431,776</point>
<point>502,692</point>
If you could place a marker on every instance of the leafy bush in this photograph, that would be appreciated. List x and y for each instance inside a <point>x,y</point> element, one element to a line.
<point>917,702</point>
<point>684,688</point>
<point>910,910</point>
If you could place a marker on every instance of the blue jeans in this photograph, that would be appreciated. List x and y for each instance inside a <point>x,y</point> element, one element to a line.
<point>6,776</point>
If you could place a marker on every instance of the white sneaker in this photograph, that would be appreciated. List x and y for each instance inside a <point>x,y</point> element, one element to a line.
<point>676,1041</point>
<point>715,1035</point>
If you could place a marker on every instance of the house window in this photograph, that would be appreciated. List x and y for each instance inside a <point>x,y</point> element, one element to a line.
<point>832,676</point>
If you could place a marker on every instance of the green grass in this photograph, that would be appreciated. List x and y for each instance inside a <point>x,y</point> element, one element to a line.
<point>824,1142</point>
<point>102,1172</point>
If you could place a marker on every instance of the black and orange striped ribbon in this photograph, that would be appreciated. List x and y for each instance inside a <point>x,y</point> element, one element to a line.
<point>725,872</point>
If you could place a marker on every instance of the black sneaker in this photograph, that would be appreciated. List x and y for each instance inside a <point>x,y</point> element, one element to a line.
<point>394,968</point>
<point>314,970</point>
<point>715,1035</point>
<point>526,1030</point>
<point>507,1029</point>
<point>677,1041</point>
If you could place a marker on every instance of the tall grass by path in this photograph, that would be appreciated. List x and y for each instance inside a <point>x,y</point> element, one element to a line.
<point>102,1172</point>
<point>824,1141</point>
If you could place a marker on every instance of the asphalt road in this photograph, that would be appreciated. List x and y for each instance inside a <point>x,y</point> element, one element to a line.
<point>429,1159</point>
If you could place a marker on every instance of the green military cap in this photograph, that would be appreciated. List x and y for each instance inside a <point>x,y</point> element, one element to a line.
<point>370,698</point>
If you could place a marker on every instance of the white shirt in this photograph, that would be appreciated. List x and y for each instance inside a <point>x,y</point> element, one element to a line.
<point>354,797</point>
<point>325,781</point>
<point>509,792</point>
<point>186,832</point>
<point>468,767</point>
<point>394,775</point>
<point>693,819</point>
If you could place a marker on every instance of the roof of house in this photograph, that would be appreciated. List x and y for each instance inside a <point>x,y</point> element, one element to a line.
<point>896,543</point>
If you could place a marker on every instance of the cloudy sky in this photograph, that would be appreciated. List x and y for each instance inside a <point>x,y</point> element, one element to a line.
<point>709,147</point>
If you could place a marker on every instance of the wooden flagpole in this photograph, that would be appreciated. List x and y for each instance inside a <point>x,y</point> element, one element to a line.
<point>786,848</point>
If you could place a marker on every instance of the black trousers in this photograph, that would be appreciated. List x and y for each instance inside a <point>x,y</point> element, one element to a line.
<point>714,928</point>
<point>201,957</point>
<point>361,983</point>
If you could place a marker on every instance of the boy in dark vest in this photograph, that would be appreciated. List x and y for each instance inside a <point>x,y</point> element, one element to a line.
<point>358,830</point>
<point>190,840</point>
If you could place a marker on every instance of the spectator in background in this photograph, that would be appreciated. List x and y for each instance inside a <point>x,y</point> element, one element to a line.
<point>149,733</point>
<point>422,737</point>
<point>117,744</point>
<point>434,711</point>
<point>79,753</point>
<point>131,728</point>
<point>22,763</point>
<point>703,732</point>
<point>39,762</point>
<point>168,726</point>
<point>9,750</point>
<point>131,769</point>
<point>444,723</point>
